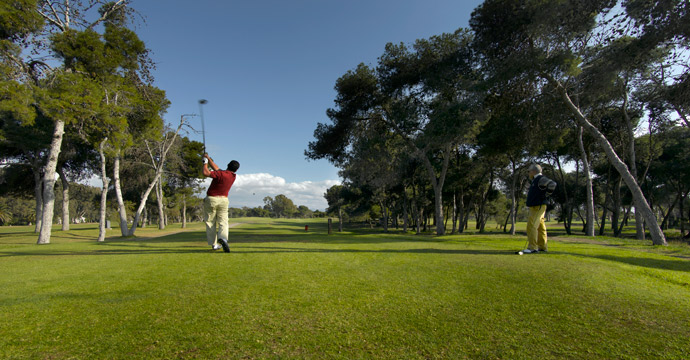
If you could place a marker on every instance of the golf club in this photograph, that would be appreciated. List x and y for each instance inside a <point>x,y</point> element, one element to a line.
<point>519,252</point>
<point>203,129</point>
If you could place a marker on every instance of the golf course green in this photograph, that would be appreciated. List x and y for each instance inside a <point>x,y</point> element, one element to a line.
<point>286,293</point>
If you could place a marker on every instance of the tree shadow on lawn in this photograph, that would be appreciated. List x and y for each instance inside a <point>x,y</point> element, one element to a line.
<point>127,251</point>
<point>359,237</point>
<point>22,233</point>
<point>280,249</point>
<point>663,264</point>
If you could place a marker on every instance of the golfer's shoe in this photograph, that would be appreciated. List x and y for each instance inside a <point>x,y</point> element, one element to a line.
<point>528,251</point>
<point>543,251</point>
<point>215,247</point>
<point>224,244</point>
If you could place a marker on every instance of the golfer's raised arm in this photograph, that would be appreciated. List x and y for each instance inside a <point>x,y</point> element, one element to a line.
<point>209,161</point>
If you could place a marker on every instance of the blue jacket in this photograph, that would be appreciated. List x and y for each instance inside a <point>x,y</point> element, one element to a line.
<point>540,188</point>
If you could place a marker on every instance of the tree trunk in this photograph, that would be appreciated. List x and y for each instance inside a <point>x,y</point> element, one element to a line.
<point>455,213</point>
<point>104,193</point>
<point>639,221</point>
<point>38,193</point>
<point>589,197</point>
<point>617,205</point>
<point>437,184</point>
<point>145,217</point>
<point>405,216</point>
<point>513,203</point>
<point>184,211</point>
<point>118,195</point>
<point>158,165</point>
<point>142,204</point>
<point>566,206</point>
<point>161,212</point>
<point>664,222</point>
<point>340,219</point>
<point>607,197</point>
<point>687,236</point>
<point>384,215</point>
<point>461,212</point>
<point>658,237</point>
<point>682,224</point>
<point>65,199</point>
<point>626,216</point>
<point>49,183</point>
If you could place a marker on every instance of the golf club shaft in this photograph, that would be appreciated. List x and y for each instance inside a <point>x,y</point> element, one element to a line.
<point>203,127</point>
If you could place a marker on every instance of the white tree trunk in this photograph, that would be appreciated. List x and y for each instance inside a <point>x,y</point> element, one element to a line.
<point>49,183</point>
<point>38,193</point>
<point>641,203</point>
<point>118,194</point>
<point>589,199</point>
<point>161,212</point>
<point>104,193</point>
<point>164,147</point>
<point>142,204</point>
<point>65,199</point>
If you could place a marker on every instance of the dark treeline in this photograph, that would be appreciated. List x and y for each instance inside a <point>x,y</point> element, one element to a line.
<point>442,130</point>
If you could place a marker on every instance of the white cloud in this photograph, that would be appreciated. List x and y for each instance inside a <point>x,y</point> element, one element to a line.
<point>250,190</point>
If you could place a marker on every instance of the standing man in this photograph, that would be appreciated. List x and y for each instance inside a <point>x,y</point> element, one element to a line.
<point>540,188</point>
<point>216,202</point>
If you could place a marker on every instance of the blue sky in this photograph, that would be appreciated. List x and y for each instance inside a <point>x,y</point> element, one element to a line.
<point>267,69</point>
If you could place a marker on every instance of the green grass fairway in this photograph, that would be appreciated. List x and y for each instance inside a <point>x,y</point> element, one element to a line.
<point>283,293</point>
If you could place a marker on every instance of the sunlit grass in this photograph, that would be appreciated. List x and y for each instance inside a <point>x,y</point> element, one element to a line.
<point>284,292</point>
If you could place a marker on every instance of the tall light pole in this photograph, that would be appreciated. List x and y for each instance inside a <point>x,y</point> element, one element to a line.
<point>203,129</point>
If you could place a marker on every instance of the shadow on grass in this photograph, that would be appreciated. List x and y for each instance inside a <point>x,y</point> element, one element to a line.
<point>255,250</point>
<point>240,249</point>
<point>663,264</point>
<point>130,251</point>
<point>15,234</point>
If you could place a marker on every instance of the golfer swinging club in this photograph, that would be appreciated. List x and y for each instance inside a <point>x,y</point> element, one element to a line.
<point>216,202</point>
<point>539,189</point>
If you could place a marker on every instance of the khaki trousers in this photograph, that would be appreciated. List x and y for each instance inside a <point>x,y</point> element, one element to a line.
<point>216,215</point>
<point>536,228</point>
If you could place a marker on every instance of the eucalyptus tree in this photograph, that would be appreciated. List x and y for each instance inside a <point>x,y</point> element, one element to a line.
<point>549,40</point>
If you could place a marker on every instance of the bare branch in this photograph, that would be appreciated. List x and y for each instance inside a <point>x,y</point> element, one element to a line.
<point>153,160</point>
<point>117,6</point>
<point>56,21</point>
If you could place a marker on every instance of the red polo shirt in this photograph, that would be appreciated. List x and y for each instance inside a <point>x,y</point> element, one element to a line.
<point>221,183</point>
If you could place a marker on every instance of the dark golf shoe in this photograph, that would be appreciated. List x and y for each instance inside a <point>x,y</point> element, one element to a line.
<point>224,244</point>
